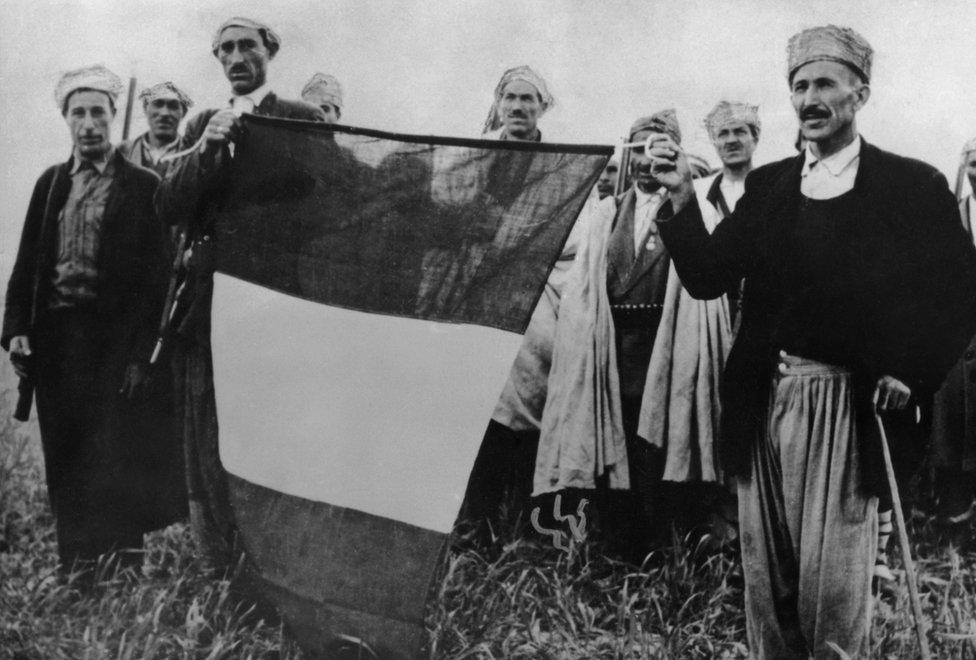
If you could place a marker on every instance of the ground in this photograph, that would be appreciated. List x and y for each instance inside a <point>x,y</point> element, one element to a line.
<point>517,600</point>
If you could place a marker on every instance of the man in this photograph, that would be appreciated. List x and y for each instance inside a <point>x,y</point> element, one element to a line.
<point>189,197</point>
<point>858,296</point>
<point>81,308</point>
<point>325,91</point>
<point>521,98</point>
<point>165,105</point>
<point>733,129</point>
<point>608,179</point>
<point>628,395</point>
<point>954,413</point>
<point>502,473</point>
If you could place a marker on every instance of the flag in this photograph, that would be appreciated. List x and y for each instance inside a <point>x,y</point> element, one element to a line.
<point>370,295</point>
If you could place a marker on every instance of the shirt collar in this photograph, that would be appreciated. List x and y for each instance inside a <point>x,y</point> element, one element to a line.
<point>835,163</point>
<point>257,95</point>
<point>99,165</point>
<point>646,197</point>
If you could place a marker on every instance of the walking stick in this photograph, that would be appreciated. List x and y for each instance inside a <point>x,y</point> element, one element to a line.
<point>906,551</point>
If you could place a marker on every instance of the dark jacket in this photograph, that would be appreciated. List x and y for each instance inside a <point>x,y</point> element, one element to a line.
<point>913,284</point>
<point>131,259</point>
<point>190,196</point>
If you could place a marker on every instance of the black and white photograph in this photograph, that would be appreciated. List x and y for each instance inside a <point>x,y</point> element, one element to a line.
<point>558,329</point>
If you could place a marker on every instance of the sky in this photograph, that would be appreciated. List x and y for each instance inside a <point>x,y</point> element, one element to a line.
<point>429,67</point>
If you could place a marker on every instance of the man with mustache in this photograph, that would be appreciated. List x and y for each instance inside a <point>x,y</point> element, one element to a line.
<point>79,322</point>
<point>502,472</point>
<point>188,198</point>
<point>733,129</point>
<point>857,298</point>
<point>165,105</point>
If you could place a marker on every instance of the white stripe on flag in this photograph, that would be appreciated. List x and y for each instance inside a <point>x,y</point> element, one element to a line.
<point>376,413</point>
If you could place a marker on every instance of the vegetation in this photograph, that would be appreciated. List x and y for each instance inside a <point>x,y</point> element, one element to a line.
<point>522,600</point>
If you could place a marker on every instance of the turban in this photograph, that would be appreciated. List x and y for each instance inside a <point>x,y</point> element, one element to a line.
<point>322,89</point>
<point>664,121</point>
<point>725,114</point>
<point>524,74</point>
<point>95,77</point>
<point>829,43</point>
<point>968,147</point>
<point>164,90</point>
<point>272,42</point>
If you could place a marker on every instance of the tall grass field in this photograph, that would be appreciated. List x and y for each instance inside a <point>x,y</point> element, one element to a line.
<point>517,600</point>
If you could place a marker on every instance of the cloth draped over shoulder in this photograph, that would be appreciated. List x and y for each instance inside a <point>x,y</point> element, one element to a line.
<point>582,434</point>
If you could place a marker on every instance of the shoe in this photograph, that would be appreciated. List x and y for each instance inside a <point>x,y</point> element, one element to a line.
<point>955,499</point>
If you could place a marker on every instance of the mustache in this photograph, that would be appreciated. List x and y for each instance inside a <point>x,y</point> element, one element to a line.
<point>239,68</point>
<point>521,114</point>
<point>814,112</point>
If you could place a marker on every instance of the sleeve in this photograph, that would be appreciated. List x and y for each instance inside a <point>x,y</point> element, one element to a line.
<point>148,290</point>
<point>710,265</point>
<point>20,289</point>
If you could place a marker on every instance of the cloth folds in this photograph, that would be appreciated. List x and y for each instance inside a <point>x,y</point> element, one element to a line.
<point>582,433</point>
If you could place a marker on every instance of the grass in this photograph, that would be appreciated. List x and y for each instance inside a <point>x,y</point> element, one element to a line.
<point>522,600</point>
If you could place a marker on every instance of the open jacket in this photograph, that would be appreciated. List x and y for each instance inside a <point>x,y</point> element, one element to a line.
<point>913,285</point>
<point>131,258</point>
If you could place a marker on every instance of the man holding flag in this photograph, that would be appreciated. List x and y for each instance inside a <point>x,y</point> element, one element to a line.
<point>189,195</point>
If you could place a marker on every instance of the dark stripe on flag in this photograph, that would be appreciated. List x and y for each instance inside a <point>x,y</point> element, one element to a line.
<point>336,571</point>
<point>447,229</point>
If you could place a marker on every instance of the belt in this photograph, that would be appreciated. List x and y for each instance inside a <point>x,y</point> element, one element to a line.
<point>637,315</point>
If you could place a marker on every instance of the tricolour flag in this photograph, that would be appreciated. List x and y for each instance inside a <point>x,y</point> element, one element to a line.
<point>369,299</point>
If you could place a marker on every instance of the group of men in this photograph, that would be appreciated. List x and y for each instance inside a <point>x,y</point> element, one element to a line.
<point>743,328</point>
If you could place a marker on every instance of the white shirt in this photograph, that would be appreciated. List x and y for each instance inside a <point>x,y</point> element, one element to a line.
<point>826,178</point>
<point>247,102</point>
<point>732,191</point>
<point>645,210</point>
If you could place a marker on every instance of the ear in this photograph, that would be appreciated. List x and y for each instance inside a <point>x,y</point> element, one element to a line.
<point>863,93</point>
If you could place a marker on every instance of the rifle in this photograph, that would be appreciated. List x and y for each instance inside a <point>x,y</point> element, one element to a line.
<point>174,293</point>
<point>25,397</point>
<point>128,108</point>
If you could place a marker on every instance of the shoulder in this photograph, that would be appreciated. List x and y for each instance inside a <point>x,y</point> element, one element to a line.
<point>704,184</point>
<point>896,166</point>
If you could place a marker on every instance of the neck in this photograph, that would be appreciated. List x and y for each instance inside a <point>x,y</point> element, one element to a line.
<point>159,142</point>
<point>737,172</point>
<point>99,157</point>
<point>531,137</point>
<point>834,143</point>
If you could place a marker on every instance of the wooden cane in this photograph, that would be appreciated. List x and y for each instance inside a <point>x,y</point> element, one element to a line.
<point>906,551</point>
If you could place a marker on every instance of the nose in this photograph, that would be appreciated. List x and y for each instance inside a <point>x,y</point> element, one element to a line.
<point>88,122</point>
<point>811,97</point>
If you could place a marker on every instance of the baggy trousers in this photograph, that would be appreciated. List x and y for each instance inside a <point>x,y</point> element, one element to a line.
<point>809,533</point>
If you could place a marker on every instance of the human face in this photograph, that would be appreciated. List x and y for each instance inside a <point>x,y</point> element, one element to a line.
<point>332,113</point>
<point>520,108</point>
<point>971,169</point>
<point>735,144</point>
<point>163,114</point>
<point>608,179</point>
<point>244,57</point>
<point>826,96</point>
<point>89,115</point>
<point>640,164</point>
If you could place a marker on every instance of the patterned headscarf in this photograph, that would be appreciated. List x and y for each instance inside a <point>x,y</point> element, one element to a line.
<point>95,77</point>
<point>272,42</point>
<point>726,113</point>
<point>165,90</point>
<point>664,121</point>
<point>525,74</point>
<point>830,43</point>
<point>323,88</point>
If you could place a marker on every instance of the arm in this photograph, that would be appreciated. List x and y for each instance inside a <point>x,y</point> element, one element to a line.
<point>20,289</point>
<point>709,265</point>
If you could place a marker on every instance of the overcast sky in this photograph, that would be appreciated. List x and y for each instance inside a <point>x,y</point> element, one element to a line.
<point>430,66</point>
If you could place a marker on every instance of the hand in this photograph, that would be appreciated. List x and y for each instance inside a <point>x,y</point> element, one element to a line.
<point>222,128</point>
<point>670,167</point>
<point>20,351</point>
<point>133,380</point>
<point>890,394</point>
